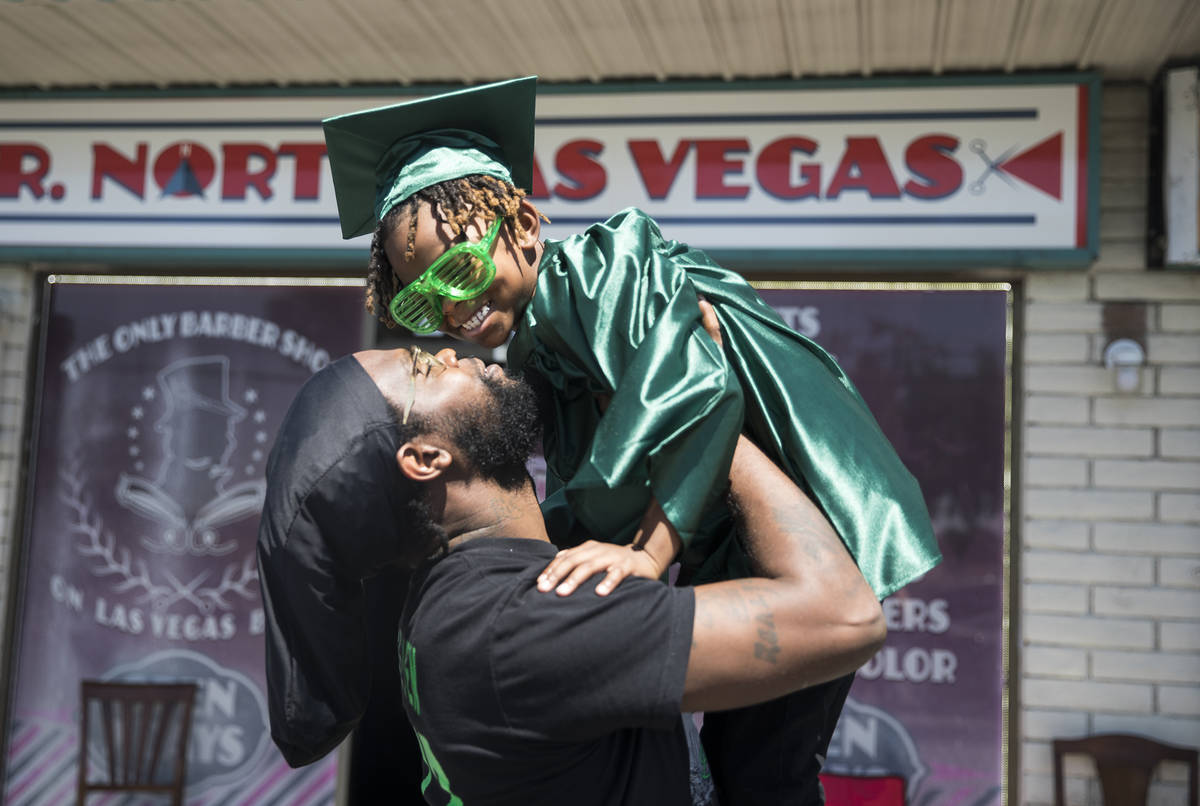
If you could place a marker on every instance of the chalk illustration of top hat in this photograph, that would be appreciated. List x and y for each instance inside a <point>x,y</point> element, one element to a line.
<point>199,383</point>
<point>188,507</point>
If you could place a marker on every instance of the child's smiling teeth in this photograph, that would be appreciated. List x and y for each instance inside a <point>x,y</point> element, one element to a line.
<point>477,320</point>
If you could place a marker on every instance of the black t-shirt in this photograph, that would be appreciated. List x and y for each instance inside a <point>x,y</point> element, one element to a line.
<point>523,697</point>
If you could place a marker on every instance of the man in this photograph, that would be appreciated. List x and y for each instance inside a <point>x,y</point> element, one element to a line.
<point>610,311</point>
<point>519,696</point>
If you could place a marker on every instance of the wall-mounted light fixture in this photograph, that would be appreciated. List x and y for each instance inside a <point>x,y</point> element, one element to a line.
<point>1124,325</point>
<point>1125,357</point>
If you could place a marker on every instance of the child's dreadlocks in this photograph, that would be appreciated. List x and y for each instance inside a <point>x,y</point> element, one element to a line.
<point>459,202</point>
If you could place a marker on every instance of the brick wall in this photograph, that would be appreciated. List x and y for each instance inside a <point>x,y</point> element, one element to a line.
<point>1109,593</point>
<point>16,301</point>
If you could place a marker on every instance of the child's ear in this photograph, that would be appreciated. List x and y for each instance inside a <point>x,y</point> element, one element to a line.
<point>422,461</point>
<point>531,225</point>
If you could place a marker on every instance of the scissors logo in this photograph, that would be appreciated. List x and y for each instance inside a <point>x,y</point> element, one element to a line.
<point>1040,166</point>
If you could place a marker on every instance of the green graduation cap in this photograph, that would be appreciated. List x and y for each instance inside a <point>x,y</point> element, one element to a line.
<point>379,157</point>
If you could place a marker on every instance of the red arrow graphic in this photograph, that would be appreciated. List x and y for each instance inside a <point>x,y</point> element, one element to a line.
<point>1039,165</point>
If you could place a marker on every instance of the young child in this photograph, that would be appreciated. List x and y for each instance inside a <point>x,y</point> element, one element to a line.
<point>643,407</point>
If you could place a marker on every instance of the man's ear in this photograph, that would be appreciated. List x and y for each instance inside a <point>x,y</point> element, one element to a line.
<point>531,225</point>
<point>423,461</point>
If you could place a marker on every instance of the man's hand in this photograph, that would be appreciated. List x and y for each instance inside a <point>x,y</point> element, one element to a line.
<point>575,565</point>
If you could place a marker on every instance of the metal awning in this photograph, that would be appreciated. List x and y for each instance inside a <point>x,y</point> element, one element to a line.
<point>51,44</point>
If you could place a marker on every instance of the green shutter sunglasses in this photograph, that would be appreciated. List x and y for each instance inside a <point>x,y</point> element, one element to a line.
<point>464,271</point>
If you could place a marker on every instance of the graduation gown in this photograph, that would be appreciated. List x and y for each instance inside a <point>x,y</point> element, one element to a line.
<point>615,313</point>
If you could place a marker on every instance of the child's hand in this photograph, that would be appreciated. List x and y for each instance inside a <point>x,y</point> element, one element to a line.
<point>573,566</point>
<point>708,318</point>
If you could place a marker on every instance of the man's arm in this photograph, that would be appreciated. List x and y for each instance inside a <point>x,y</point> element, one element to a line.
<point>810,617</point>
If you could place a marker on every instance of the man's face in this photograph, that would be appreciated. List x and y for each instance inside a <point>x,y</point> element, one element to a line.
<point>490,418</point>
<point>488,318</point>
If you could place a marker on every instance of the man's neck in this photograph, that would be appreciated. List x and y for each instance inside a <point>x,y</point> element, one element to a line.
<point>477,510</point>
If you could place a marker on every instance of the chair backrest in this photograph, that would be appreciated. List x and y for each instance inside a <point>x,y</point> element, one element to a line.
<point>1125,764</point>
<point>139,733</point>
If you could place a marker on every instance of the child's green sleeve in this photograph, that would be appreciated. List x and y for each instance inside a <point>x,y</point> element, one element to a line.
<point>613,315</point>
<point>616,313</point>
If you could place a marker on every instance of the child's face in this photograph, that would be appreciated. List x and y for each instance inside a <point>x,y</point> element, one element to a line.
<point>489,318</point>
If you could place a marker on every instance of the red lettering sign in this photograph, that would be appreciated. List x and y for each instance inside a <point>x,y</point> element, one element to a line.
<point>774,169</point>
<point>576,162</point>
<point>108,163</point>
<point>864,167</point>
<point>539,190</point>
<point>308,168</point>
<point>238,177</point>
<point>657,173</point>
<point>713,163</point>
<point>13,176</point>
<point>931,160</point>
<point>184,169</point>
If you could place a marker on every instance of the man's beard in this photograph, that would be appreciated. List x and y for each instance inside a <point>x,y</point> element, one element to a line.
<point>498,438</point>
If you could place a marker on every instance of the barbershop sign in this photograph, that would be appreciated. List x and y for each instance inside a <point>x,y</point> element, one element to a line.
<point>158,405</point>
<point>996,169</point>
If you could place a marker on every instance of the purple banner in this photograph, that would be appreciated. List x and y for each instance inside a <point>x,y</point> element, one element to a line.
<point>932,365</point>
<point>159,405</point>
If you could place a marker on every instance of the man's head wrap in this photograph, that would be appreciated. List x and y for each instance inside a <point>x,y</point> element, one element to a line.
<point>333,515</point>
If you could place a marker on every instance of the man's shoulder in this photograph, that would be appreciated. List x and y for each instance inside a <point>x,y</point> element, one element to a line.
<point>566,631</point>
<point>497,578</point>
<point>455,601</point>
<point>626,653</point>
<point>489,562</point>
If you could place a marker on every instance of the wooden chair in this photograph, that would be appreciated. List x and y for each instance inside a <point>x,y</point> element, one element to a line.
<point>141,737</point>
<point>1125,764</point>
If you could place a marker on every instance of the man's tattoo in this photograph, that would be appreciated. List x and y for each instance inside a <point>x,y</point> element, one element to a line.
<point>507,509</point>
<point>768,648</point>
<point>813,541</point>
